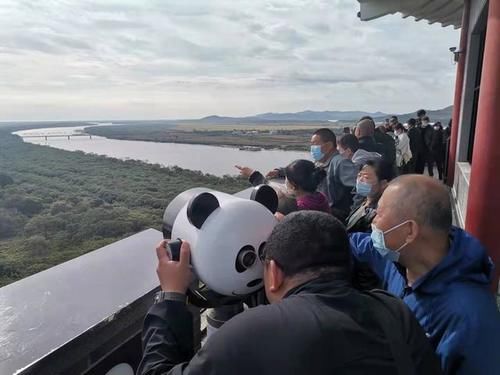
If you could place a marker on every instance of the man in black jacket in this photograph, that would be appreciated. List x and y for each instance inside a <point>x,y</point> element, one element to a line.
<point>365,132</point>
<point>427,132</point>
<point>316,322</point>
<point>416,147</point>
<point>388,143</point>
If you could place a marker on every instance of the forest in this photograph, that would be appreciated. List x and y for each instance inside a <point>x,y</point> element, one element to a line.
<point>56,205</point>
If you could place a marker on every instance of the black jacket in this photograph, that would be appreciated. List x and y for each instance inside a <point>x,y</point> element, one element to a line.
<point>427,137</point>
<point>437,145</point>
<point>369,144</point>
<point>416,141</point>
<point>321,327</point>
<point>389,146</point>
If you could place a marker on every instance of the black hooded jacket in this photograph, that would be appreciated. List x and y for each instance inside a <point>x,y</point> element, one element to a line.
<point>321,327</point>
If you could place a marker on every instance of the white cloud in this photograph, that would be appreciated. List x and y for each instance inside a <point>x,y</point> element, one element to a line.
<point>82,59</point>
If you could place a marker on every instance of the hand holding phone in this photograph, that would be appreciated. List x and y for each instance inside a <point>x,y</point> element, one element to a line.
<point>174,249</point>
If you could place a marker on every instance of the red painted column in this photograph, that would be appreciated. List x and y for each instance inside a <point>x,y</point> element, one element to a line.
<point>459,84</point>
<point>484,190</point>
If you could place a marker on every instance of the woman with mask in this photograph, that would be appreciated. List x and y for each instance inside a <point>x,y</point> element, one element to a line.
<point>372,180</point>
<point>302,178</point>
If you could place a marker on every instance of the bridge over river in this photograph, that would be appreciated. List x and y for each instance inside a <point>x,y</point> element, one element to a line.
<point>46,136</point>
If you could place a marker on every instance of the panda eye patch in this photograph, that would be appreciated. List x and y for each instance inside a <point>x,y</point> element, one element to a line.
<point>245,259</point>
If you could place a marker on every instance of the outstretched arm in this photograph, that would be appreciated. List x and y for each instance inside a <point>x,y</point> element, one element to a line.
<point>363,250</point>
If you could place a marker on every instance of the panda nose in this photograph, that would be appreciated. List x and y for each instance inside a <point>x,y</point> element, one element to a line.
<point>246,258</point>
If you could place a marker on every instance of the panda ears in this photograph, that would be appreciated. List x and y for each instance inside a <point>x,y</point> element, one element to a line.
<point>201,207</point>
<point>266,196</point>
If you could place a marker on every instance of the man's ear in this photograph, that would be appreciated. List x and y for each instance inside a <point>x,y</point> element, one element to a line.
<point>276,276</point>
<point>414,231</point>
<point>329,147</point>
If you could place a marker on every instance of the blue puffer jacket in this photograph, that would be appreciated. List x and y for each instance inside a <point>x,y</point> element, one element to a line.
<point>453,302</point>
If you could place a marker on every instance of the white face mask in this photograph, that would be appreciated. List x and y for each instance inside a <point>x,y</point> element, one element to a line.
<point>378,240</point>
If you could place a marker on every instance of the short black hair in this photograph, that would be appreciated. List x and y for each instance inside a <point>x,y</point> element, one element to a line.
<point>425,118</point>
<point>366,118</point>
<point>383,169</point>
<point>412,122</point>
<point>395,118</point>
<point>309,241</point>
<point>326,135</point>
<point>399,126</point>
<point>349,141</point>
<point>421,112</point>
<point>304,174</point>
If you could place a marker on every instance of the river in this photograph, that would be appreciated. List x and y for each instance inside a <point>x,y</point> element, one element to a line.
<point>214,160</point>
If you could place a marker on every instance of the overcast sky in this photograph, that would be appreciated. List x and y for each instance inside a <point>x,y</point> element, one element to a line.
<point>145,59</point>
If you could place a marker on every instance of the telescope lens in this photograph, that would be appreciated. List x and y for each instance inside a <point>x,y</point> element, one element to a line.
<point>246,258</point>
<point>249,259</point>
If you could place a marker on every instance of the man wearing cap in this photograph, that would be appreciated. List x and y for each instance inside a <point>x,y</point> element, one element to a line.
<point>317,323</point>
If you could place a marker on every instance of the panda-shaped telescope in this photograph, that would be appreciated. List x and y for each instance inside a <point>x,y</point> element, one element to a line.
<point>226,233</point>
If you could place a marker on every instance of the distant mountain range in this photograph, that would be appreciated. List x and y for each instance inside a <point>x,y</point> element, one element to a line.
<point>318,116</point>
<point>315,116</point>
<point>442,115</point>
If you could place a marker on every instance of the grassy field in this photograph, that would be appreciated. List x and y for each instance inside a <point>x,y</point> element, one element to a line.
<point>282,136</point>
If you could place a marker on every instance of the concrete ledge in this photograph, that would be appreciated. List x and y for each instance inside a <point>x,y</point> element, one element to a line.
<point>83,304</point>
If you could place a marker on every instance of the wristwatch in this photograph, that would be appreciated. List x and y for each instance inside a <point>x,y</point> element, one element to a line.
<point>169,296</point>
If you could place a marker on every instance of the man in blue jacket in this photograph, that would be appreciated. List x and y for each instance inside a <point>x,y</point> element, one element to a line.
<point>440,271</point>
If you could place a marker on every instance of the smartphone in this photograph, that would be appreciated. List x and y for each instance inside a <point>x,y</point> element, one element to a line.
<point>174,249</point>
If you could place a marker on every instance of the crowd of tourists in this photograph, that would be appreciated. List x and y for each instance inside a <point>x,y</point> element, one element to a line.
<point>364,273</point>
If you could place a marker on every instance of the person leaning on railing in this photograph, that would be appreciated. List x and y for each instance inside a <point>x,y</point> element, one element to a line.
<point>340,172</point>
<point>302,178</point>
<point>317,323</point>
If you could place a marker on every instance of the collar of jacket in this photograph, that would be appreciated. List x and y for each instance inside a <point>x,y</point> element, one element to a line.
<point>367,139</point>
<point>322,284</point>
<point>325,164</point>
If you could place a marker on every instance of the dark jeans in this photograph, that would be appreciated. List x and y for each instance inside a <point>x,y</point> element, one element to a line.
<point>440,166</point>
<point>430,166</point>
<point>419,164</point>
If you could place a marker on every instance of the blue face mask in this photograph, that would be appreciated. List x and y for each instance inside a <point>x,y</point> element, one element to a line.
<point>316,153</point>
<point>363,188</point>
<point>378,240</point>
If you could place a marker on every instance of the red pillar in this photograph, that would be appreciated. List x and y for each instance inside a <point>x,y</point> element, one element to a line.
<point>459,84</point>
<point>484,189</point>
